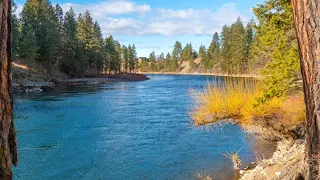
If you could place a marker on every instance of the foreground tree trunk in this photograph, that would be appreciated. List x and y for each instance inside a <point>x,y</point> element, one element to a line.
<point>307,23</point>
<point>8,143</point>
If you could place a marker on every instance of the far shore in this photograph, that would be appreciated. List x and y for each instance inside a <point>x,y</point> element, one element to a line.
<point>207,74</point>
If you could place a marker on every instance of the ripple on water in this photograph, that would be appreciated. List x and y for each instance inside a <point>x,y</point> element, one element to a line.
<point>124,130</point>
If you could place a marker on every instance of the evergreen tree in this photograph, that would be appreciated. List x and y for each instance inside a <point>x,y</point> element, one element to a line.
<point>187,52</point>
<point>195,54</point>
<point>214,52</point>
<point>167,63</point>
<point>118,55</point>
<point>152,59</point>
<point>111,54</point>
<point>237,47</point>
<point>202,51</point>
<point>85,37</point>
<point>60,34</point>
<point>97,47</point>
<point>28,41</point>
<point>249,38</point>
<point>132,58</point>
<point>69,64</point>
<point>225,50</point>
<point>177,50</point>
<point>161,56</point>
<point>176,55</point>
<point>276,41</point>
<point>125,58</point>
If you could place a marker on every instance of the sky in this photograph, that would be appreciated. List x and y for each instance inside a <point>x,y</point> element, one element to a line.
<point>155,25</point>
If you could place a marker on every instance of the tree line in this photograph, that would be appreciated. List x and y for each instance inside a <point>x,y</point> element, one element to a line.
<point>46,37</point>
<point>228,52</point>
<point>268,47</point>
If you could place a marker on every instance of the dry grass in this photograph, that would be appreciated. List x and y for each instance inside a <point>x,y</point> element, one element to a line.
<point>203,177</point>
<point>235,159</point>
<point>20,66</point>
<point>238,99</point>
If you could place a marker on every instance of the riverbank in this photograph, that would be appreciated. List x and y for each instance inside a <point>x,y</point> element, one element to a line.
<point>286,163</point>
<point>26,79</point>
<point>207,74</point>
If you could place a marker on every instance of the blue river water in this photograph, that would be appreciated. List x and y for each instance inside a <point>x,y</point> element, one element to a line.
<point>122,130</point>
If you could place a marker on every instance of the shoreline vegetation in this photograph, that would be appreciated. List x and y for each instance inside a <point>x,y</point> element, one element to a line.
<point>26,79</point>
<point>207,74</point>
<point>279,120</point>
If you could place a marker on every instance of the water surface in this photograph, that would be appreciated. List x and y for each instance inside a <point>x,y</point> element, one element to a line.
<point>125,130</point>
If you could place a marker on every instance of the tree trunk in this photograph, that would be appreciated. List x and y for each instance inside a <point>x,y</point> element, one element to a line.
<point>8,143</point>
<point>307,23</point>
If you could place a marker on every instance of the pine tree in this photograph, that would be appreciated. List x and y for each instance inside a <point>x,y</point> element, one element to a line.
<point>167,63</point>
<point>46,32</point>
<point>97,47</point>
<point>226,50</point>
<point>118,56</point>
<point>60,34</point>
<point>213,52</point>
<point>132,58</point>
<point>111,54</point>
<point>69,64</point>
<point>28,41</point>
<point>177,50</point>
<point>276,41</point>
<point>187,52</point>
<point>161,58</point>
<point>237,47</point>
<point>125,58</point>
<point>152,59</point>
<point>249,38</point>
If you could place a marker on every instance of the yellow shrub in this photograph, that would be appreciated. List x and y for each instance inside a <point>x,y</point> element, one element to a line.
<point>237,99</point>
<point>224,100</point>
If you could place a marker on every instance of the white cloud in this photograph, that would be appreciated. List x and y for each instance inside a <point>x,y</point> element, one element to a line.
<point>125,17</point>
<point>109,7</point>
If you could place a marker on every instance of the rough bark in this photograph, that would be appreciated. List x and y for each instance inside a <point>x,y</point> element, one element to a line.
<point>307,23</point>
<point>8,143</point>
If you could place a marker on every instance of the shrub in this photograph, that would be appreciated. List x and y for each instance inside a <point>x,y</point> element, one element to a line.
<point>240,99</point>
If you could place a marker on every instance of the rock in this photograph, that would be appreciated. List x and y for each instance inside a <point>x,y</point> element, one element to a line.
<point>34,90</point>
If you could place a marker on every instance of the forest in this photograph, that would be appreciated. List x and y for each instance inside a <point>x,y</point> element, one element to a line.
<point>45,37</point>
<point>267,47</point>
<point>278,46</point>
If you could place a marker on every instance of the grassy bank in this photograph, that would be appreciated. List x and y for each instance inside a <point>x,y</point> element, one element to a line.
<point>241,100</point>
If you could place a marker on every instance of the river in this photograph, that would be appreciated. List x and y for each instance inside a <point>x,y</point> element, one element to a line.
<point>122,130</point>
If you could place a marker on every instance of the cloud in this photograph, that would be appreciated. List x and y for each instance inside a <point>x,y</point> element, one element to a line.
<point>109,8</point>
<point>125,17</point>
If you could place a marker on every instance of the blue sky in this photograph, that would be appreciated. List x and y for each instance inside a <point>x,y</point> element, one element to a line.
<point>157,24</point>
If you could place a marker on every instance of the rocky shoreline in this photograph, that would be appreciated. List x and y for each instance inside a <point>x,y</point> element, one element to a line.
<point>287,162</point>
<point>29,80</point>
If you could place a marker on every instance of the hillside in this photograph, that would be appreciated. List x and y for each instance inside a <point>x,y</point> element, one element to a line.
<point>195,66</point>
